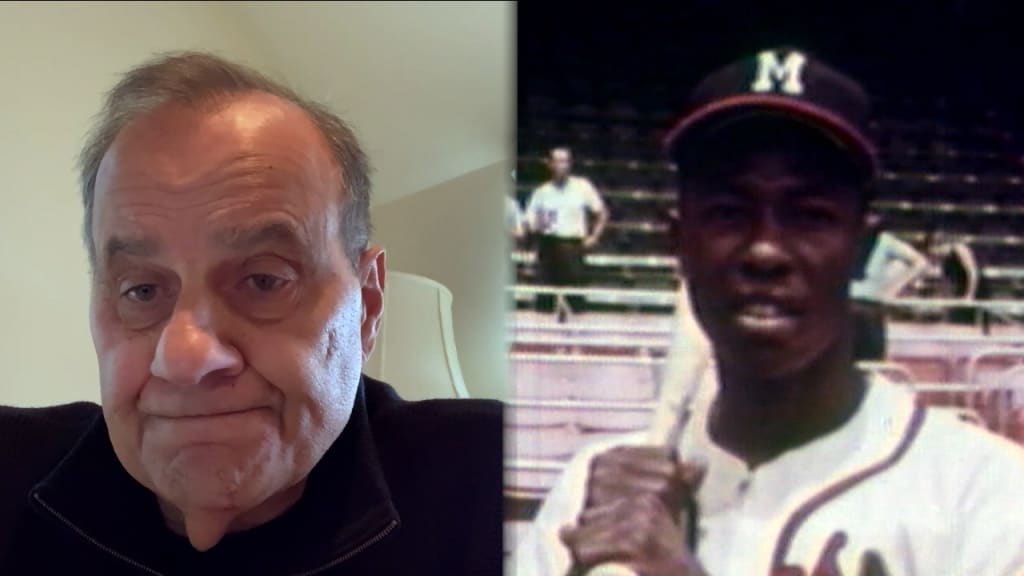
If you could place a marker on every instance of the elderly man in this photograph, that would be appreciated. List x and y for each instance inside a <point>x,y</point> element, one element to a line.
<point>797,464</point>
<point>234,300</point>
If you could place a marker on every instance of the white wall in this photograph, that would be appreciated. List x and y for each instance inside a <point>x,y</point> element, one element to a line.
<point>56,62</point>
<point>428,85</point>
<point>453,234</point>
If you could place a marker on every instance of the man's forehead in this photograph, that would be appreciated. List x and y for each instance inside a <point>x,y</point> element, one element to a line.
<point>253,128</point>
<point>235,159</point>
<point>238,237</point>
<point>123,177</point>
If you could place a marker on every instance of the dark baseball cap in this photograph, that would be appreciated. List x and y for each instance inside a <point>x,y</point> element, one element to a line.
<point>787,84</point>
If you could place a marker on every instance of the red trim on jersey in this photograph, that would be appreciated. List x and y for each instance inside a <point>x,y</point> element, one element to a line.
<point>801,514</point>
<point>812,111</point>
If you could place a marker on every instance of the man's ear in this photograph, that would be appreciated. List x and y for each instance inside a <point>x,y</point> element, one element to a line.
<point>372,273</point>
<point>673,218</point>
<point>869,223</point>
<point>680,221</point>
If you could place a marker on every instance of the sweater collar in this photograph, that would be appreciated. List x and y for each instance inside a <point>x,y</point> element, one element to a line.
<point>345,507</point>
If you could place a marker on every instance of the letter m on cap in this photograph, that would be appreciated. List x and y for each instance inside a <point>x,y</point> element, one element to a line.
<point>774,75</point>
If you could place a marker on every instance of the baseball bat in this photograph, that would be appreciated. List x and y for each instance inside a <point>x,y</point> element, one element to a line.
<point>687,361</point>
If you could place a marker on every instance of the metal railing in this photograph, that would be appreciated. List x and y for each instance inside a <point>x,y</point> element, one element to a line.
<point>671,263</point>
<point>667,298</point>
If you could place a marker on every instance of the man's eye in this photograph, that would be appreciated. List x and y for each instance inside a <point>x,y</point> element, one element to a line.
<point>141,293</point>
<point>723,212</point>
<point>816,215</point>
<point>265,282</point>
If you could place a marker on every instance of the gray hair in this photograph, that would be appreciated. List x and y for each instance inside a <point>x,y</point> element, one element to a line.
<point>196,79</point>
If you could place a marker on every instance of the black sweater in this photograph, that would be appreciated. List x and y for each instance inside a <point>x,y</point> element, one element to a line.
<point>408,488</point>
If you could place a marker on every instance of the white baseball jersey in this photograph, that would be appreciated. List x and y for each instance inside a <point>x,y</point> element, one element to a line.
<point>930,494</point>
<point>893,265</point>
<point>561,210</point>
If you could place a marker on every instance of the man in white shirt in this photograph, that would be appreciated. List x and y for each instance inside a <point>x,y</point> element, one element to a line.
<point>794,462</point>
<point>962,277</point>
<point>557,215</point>
<point>890,266</point>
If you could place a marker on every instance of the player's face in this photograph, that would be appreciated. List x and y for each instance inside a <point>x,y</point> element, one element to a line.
<point>767,245</point>
<point>561,163</point>
<point>229,325</point>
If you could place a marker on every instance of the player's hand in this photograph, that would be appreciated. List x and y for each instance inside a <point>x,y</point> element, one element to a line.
<point>589,242</point>
<point>635,497</point>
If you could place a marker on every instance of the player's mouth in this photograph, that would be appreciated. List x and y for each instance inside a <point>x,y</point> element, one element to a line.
<point>765,318</point>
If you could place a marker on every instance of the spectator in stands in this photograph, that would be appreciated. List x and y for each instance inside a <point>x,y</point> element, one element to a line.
<point>885,267</point>
<point>557,214</point>
<point>962,276</point>
<point>809,466</point>
<point>234,300</point>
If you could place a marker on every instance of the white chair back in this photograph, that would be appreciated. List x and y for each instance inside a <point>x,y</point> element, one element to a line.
<point>415,349</point>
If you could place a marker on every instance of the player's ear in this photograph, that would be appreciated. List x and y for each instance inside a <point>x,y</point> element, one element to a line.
<point>868,221</point>
<point>687,190</point>
<point>680,243</point>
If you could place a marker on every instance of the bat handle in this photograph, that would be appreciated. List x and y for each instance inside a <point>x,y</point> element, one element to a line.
<point>679,384</point>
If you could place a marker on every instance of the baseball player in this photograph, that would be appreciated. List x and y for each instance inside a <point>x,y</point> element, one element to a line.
<point>557,214</point>
<point>797,464</point>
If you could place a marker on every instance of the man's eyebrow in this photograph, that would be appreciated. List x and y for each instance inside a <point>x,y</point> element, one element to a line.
<point>240,238</point>
<point>803,185</point>
<point>139,247</point>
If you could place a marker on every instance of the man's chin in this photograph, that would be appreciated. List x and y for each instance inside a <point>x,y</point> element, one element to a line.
<point>205,516</point>
<point>763,364</point>
<point>224,500</point>
<point>191,485</point>
<point>204,529</point>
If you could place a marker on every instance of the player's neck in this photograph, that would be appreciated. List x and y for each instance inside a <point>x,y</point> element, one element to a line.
<point>758,419</point>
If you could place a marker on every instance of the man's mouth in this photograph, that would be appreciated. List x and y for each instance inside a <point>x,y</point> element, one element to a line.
<point>765,318</point>
<point>208,414</point>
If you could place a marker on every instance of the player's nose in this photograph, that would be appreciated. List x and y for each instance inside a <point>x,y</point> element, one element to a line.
<point>766,256</point>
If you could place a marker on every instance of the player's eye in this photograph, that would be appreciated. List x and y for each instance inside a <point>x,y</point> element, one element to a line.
<point>723,212</point>
<point>816,215</point>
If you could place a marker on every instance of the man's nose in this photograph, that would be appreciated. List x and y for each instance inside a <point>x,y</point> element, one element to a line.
<point>189,349</point>
<point>766,257</point>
